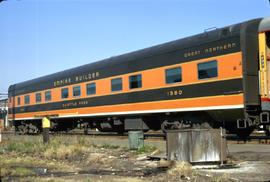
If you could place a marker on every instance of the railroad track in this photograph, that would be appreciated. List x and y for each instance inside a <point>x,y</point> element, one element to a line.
<point>158,135</point>
<point>252,137</point>
<point>163,135</point>
<point>97,133</point>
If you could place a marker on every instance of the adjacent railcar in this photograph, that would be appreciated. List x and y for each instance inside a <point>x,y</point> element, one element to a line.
<point>219,77</point>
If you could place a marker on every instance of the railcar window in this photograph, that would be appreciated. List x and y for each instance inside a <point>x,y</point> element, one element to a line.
<point>135,81</point>
<point>18,101</point>
<point>207,70</point>
<point>116,84</point>
<point>48,96</point>
<point>64,93</point>
<point>91,88</point>
<point>76,91</point>
<point>26,99</point>
<point>173,75</point>
<point>38,97</point>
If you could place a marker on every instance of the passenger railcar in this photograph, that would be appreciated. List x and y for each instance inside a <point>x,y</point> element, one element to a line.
<point>219,77</point>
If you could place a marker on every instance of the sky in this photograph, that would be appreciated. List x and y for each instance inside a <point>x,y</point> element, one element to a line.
<point>41,37</point>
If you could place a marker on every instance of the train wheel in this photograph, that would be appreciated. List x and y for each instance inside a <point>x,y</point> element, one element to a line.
<point>32,129</point>
<point>22,130</point>
<point>100,129</point>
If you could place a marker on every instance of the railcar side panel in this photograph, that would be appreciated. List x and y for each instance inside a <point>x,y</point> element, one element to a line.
<point>228,82</point>
<point>232,94</point>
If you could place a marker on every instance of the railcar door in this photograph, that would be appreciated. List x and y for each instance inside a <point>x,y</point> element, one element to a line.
<point>264,48</point>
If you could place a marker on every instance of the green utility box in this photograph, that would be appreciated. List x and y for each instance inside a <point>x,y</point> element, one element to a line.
<point>136,139</point>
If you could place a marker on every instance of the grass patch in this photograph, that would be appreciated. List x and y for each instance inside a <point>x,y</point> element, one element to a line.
<point>22,147</point>
<point>20,157</point>
<point>224,178</point>
<point>64,152</point>
<point>105,146</point>
<point>108,146</point>
<point>182,169</point>
<point>16,171</point>
<point>22,171</point>
<point>57,148</point>
<point>82,141</point>
<point>61,148</point>
<point>146,149</point>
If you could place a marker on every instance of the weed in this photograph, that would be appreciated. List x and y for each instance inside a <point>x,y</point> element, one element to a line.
<point>145,149</point>
<point>16,171</point>
<point>125,149</point>
<point>182,169</point>
<point>4,172</point>
<point>109,146</point>
<point>81,141</point>
<point>96,158</point>
<point>24,147</point>
<point>21,171</point>
<point>64,151</point>
<point>225,177</point>
<point>88,180</point>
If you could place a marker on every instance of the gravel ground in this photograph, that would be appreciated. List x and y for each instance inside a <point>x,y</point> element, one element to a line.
<point>246,162</point>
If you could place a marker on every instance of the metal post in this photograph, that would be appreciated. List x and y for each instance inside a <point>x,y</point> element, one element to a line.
<point>46,124</point>
<point>221,144</point>
<point>6,124</point>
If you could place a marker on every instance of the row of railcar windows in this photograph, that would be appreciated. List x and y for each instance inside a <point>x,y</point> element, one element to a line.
<point>135,81</point>
<point>48,97</point>
<point>205,70</point>
<point>173,75</point>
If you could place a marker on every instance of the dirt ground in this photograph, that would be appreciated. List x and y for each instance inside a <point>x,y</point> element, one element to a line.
<point>90,158</point>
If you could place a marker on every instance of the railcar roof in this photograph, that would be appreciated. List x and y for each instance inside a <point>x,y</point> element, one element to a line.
<point>194,40</point>
<point>264,25</point>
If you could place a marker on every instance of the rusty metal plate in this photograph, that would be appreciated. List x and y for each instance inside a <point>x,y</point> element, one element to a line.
<point>196,145</point>
<point>178,145</point>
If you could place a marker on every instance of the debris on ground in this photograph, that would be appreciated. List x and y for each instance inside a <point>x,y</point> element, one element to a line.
<point>79,159</point>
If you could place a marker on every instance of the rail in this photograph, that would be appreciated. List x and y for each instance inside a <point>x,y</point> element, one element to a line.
<point>159,135</point>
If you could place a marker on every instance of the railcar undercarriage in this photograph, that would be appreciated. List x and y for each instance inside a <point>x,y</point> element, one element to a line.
<point>163,122</point>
